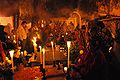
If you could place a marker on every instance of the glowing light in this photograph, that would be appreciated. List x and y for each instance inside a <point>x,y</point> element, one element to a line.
<point>7,58</point>
<point>43,58</point>
<point>34,41</point>
<point>65,69</point>
<point>8,37</point>
<point>42,21</point>
<point>81,51</point>
<point>43,50</point>
<point>52,43</point>
<point>40,47</point>
<point>9,61</point>
<point>25,53</point>
<point>11,53</point>
<point>68,44</point>
<point>38,36</point>
<point>53,50</point>
<point>14,41</point>
<point>34,38</point>
<point>22,53</point>
<point>42,25</point>
<point>14,36</point>
<point>66,33</point>
<point>110,49</point>
<point>5,20</point>
<point>40,54</point>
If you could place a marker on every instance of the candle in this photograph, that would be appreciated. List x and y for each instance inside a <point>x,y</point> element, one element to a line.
<point>42,25</point>
<point>14,36</point>
<point>40,54</point>
<point>22,53</point>
<point>14,41</point>
<point>43,58</point>
<point>11,55</point>
<point>34,44</point>
<point>68,45</point>
<point>53,50</point>
<point>8,37</point>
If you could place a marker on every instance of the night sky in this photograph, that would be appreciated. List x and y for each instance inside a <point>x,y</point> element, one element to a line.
<point>9,7</point>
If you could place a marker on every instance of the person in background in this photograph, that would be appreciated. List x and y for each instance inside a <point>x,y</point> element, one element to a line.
<point>8,29</point>
<point>22,33</point>
<point>2,53</point>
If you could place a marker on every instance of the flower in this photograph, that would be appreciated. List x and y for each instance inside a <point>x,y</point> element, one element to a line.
<point>27,73</point>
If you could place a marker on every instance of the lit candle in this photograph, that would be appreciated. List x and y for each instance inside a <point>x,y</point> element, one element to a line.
<point>8,37</point>
<point>22,54</point>
<point>42,25</point>
<point>68,45</point>
<point>40,54</point>
<point>34,44</point>
<point>11,55</point>
<point>14,36</point>
<point>14,41</point>
<point>43,58</point>
<point>53,50</point>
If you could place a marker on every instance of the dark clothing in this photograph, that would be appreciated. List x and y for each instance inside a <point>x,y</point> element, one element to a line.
<point>118,35</point>
<point>2,34</point>
<point>23,47</point>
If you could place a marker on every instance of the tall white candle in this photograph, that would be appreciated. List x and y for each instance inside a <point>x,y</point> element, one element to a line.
<point>68,45</point>
<point>53,50</point>
<point>40,54</point>
<point>43,58</point>
<point>11,55</point>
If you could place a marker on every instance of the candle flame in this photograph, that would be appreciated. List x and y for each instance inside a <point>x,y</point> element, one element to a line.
<point>40,47</point>
<point>14,41</point>
<point>11,53</point>
<point>68,44</point>
<point>52,43</point>
<point>8,37</point>
<point>14,36</point>
<point>43,50</point>
<point>42,25</point>
<point>34,41</point>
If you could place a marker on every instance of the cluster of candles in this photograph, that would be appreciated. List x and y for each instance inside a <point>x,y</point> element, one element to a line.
<point>42,50</point>
<point>42,60</point>
<point>14,38</point>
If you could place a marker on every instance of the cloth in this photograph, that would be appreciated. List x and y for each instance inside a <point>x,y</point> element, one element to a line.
<point>2,52</point>
<point>21,33</point>
<point>23,46</point>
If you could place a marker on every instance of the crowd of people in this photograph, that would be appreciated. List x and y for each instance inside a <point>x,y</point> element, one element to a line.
<point>98,62</point>
<point>95,40</point>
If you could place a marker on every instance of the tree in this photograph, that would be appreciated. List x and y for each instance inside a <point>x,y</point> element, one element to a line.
<point>108,6</point>
<point>26,10</point>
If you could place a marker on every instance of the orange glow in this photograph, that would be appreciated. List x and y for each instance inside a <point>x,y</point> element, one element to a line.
<point>65,69</point>
<point>5,20</point>
<point>81,51</point>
